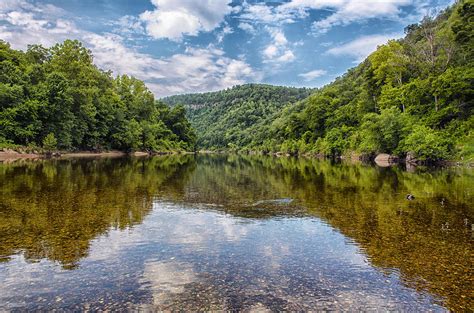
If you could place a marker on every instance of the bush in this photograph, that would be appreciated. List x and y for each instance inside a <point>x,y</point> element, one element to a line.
<point>466,148</point>
<point>427,144</point>
<point>49,142</point>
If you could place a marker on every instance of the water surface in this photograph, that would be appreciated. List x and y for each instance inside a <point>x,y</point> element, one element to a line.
<point>233,233</point>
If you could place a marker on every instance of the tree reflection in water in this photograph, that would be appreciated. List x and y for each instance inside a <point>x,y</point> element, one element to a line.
<point>54,209</point>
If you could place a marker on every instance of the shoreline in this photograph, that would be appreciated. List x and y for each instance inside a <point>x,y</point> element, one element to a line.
<point>12,156</point>
<point>90,154</point>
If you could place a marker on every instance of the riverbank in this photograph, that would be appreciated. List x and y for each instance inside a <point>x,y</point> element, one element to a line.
<point>10,155</point>
<point>381,160</point>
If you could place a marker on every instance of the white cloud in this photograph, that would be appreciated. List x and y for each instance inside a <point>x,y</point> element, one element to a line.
<point>129,24</point>
<point>271,51</point>
<point>19,5</point>
<point>311,4</point>
<point>202,70</point>
<point>344,11</point>
<point>326,44</point>
<point>265,14</point>
<point>361,47</point>
<point>173,19</point>
<point>247,27</point>
<point>354,11</point>
<point>110,52</point>
<point>274,17</point>
<point>195,70</point>
<point>225,31</point>
<point>311,75</point>
<point>26,23</point>
<point>287,56</point>
<point>271,20</point>
<point>277,51</point>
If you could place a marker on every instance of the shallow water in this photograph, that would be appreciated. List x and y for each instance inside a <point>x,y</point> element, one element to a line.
<point>234,233</point>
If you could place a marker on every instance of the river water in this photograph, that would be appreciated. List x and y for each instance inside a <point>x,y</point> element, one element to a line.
<point>227,232</point>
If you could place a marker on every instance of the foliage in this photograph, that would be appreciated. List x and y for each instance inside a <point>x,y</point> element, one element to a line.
<point>49,142</point>
<point>426,143</point>
<point>59,92</point>
<point>411,95</point>
<point>238,116</point>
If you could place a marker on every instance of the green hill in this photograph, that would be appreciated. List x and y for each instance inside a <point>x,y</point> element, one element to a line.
<point>238,116</point>
<point>411,95</point>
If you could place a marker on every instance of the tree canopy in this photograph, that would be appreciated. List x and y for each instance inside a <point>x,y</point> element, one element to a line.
<point>238,116</point>
<point>58,98</point>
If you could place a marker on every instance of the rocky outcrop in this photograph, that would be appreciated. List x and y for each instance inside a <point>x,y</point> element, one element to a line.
<point>385,160</point>
<point>411,158</point>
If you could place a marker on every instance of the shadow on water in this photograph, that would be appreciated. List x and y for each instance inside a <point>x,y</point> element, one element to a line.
<point>54,209</point>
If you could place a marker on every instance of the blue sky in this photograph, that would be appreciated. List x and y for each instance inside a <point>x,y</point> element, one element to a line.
<point>182,46</point>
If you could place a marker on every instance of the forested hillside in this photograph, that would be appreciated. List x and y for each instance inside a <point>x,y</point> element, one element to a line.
<point>236,117</point>
<point>57,98</point>
<point>410,95</point>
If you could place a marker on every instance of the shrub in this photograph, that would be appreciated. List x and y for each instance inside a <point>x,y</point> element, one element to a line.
<point>49,142</point>
<point>427,144</point>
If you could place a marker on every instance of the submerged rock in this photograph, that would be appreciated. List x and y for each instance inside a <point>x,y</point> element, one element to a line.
<point>283,201</point>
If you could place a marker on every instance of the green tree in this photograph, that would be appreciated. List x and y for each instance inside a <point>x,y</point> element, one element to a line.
<point>427,144</point>
<point>50,143</point>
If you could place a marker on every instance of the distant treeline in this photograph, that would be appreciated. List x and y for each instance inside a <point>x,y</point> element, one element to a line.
<point>238,116</point>
<point>58,99</point>
<point>411,95</point>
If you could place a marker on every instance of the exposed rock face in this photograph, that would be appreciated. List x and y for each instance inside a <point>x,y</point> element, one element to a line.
<point>385,160</point>
<point>411,158</point>
<point>363,157</point>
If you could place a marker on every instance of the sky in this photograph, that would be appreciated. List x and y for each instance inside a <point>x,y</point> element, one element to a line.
<point>186,46</point>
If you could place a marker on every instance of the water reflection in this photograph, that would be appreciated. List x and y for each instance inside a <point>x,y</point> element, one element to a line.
<point>53,209</point>
<point>229,232</point>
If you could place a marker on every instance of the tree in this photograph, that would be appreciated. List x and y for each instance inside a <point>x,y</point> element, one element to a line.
<point>49,142</point>
<point>60,91</point>
<point>427,144</point>
<point>389,64</point>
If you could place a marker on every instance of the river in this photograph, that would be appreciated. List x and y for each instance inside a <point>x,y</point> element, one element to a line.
<point>228,232</point>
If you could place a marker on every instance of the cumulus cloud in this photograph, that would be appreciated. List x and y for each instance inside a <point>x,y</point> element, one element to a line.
<point>343,11</point>
<point>25,23</point>
<point>262,13</point>
<point>173,19</point>
<point>202,70</point>
<point>354,11</point>
<point>129,24</point>
<point>311,75</point>
<point>110,52</point>
<point>247,27</point>
<point>278,50</point>
<point>190,71</point>
<point>272,18</point>
<point>361,47</point>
